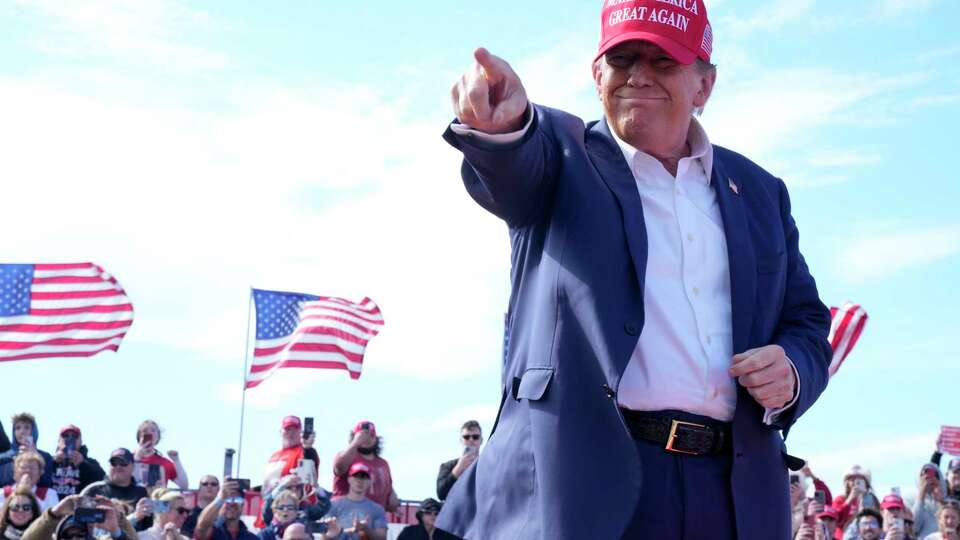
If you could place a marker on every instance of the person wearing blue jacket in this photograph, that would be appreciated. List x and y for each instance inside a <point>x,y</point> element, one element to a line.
<point>25,435</point>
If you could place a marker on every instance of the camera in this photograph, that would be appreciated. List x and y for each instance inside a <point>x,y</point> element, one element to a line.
<point>160,506</point>
<point>87,516</point>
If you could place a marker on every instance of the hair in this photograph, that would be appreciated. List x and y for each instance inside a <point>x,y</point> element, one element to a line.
<point>5,511</point>
<point>23,417</point>
<point>283,496</point>
<point>146,423</point>
<point>948,504</point>
<point>870,512</point>
<point>166,495</point>
<point>27,457</point>
<point>471,424</point>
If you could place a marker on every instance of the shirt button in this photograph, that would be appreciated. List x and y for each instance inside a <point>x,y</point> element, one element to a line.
<point>690,237</point>
<point>709,341</point>
<point>631,329</point>
<point>696,291</point>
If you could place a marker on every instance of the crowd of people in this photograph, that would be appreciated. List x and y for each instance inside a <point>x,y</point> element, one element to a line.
<point>145,495</point>
<point>67,494</point>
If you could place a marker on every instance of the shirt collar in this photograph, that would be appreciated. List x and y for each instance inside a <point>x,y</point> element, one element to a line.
<point>700,148</point>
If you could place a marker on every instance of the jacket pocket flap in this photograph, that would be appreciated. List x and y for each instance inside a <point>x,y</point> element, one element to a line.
<point>533,384</point>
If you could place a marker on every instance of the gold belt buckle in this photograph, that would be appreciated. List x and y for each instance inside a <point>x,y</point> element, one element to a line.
<point>673,436</point>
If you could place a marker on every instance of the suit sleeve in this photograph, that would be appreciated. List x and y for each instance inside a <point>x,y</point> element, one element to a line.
<point>511,180</point>
<point>445,479</point>
<point>804,323</point>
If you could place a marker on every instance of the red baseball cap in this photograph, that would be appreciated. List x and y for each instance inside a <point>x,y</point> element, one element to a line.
<point>68,428</point>
<point>290,421</point>
<point>829,512</point>
<point>371,428</point>
<point>892,501</point>
<point>358,467</point>
<point>679,27</point>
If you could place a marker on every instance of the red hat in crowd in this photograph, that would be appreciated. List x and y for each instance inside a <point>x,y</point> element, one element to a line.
<point>290,421</point>
<point>69,428</point>
<point>892,501</point>
<point>358,467</point>
<point>679,27</point>
<point>368,425</point>
<point>829,512</point>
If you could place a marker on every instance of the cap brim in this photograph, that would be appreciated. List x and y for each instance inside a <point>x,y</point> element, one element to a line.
<point>678,52</point>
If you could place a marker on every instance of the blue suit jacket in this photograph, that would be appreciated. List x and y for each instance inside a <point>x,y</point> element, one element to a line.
<point>560,463</point>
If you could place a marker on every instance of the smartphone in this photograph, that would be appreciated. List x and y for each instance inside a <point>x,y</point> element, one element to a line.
<point>307,427</point>
<point>89,515</point>
<point>825,531</point>
<point>228,462</point>
<point>869,501</point>
<point>898,524</point>
<point>820,496</point>
<point>69,444</point>
<point>794,479</point>
<point>153,474</point>
<point>243,484</point>
<point>467,449</point>
<point>861,484</point>
<point>366,426</point>
<point>160,506</point>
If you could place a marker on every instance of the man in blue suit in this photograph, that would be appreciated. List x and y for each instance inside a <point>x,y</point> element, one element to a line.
<point>665,331</point>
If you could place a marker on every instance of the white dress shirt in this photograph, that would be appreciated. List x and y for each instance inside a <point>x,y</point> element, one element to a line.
<point>685,350</point>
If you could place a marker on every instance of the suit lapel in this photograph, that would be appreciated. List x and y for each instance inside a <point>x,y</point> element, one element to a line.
<point>743,276</point>
<point>609,162</point>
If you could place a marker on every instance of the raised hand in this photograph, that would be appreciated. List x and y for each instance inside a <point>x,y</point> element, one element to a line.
<point>490,97</point>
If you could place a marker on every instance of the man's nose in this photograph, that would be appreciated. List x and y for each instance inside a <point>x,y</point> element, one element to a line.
<point>639,73</point>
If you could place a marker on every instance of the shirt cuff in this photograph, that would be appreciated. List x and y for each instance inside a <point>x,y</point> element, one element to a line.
<point>770,415</point>
<point>495,138</point>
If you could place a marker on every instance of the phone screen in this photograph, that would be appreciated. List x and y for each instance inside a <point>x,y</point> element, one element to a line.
<point>153,474</point>
<point>307,426</point>
<point>820,497</point>
<point>228,463</point>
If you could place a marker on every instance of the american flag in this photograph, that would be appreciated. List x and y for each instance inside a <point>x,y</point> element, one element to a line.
<point>60,310</point>
<point>846,324</point>
<point>308,331</point>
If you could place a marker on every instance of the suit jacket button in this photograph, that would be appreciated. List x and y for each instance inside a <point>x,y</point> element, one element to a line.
<point>608,391</point>
<point>631,329</point>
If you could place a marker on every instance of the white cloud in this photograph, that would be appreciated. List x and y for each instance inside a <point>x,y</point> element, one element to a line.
<point>875,257</point>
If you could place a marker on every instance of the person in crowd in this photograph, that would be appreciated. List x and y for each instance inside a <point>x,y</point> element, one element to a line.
<point>19,510</point>
<point>953,470</point>
<point>120,484</point>
<point>820,525</point>
<point>4,440</point>
<point>59,523</point>
<point>171,470</point>
<point>169,513</point>
<point>426,528</point>
<point>296,451</point>
<point>856,484</point>
<point>366,518</point>
<point>220,518</point>
<point>297,531</point>
<point>471,437</point>
<point>73,469</point>
<point>948,521</point>
<point>28,467</point>
<point>206,494</point>
<point>25,436</point>
<point>365,447</point>
<point>894,518</point>
<point>314,503</point>
<point>869,525</point>
<point>285,508</point>
<point>929,496</point>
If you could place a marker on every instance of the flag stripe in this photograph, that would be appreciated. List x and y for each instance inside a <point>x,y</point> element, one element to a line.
<point>57,341</point>
<point>296,348</point>
<point>63,266</point>
<point>17,337</point>
<point>64,295</point>
<point>67,287</point>
<point>53,349</point>
<point>88,309</point>
<point>62,327</point>
<point>847,323</point>
<point>66,318</point>
<point>58,354</point>
<point>79,302</point>
<point>347,333</point>
<point>318,342</point>
<point>66,279</point>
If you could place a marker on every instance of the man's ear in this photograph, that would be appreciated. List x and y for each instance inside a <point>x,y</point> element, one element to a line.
<point>597,74</point>
<point>707,80</point>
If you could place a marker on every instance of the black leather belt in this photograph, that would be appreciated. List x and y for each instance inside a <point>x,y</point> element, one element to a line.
<point>678,435</point>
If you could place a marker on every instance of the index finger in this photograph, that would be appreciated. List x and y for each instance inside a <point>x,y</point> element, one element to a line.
<point>749,364</point>
<point>493,66</point>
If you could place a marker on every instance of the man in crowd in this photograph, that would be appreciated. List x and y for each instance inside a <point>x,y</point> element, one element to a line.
<point>296,452</point>
<point>869,524</point>
<point>73,470</point>
<point>59,523</point>
<point>170,512</point>
<point>929,498</point>
<point>365,448</point>
<point>894,513</point>
<point>426,527</point>
<point>471,437</point>
<point>27,468</point>
<point>207,493</point>
<point>296,531</point>
<point>665,331</point>
<point>314,503</point>
<point>220,519</point>
<point>354,516</point>
<point>25,435</point>
<point>120,483</point>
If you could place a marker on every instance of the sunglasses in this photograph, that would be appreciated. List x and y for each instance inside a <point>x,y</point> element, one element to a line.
<point>285,508</point>
<point>361,475</point>
<point>951,503</point>
<point>74,536</point>
<point>21,508</point>
<point>472,436</point>
<point>209,484</point>
<point>116,462</point>
<point>182,511</point>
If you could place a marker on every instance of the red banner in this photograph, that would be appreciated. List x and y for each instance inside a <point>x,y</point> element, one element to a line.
<point>950,440</point>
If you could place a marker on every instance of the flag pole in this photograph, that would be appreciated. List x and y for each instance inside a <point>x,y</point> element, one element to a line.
<point>246,360</point>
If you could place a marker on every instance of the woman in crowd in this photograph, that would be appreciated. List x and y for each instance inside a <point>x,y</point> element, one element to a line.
<point>929,496</point>
<point>170,470</point>
<point>28,469</point>
<point>286,508</point>
<point>19,510</point>
<point>948,521</point>
<point>169,513</point>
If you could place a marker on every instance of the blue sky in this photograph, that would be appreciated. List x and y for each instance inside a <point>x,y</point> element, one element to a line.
<point>197,149</point>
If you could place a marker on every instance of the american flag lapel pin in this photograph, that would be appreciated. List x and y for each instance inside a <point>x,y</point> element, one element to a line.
<point>733,186</point>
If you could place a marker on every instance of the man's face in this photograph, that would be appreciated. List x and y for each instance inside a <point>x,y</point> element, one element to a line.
<point>29,468</point>
<point>869,528</point>
<point>23,431</point>
<point>209,486</point>
<point>231,511</point>
<point>429,519</point>
<point>950,519</point>
<point>291,436</point>
<point>359,483</point>
<point>953,479</point>
<point>178,513</point>
<point>285,511</point>
<point>121,471</point>
<point>646,94</point>
<point>471,437</point>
